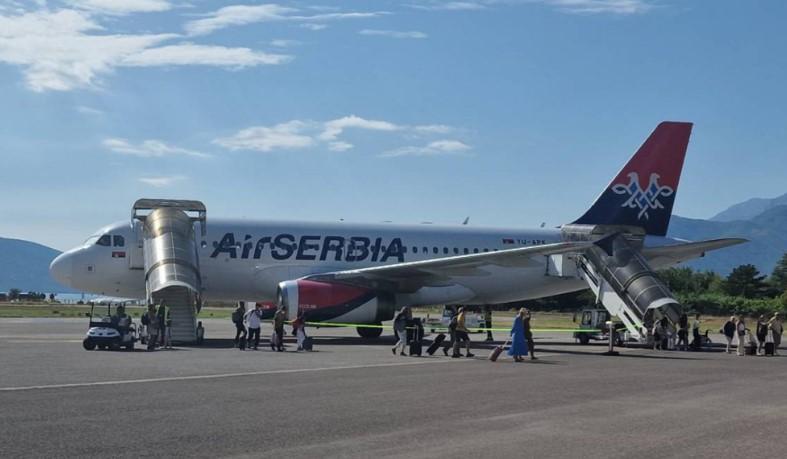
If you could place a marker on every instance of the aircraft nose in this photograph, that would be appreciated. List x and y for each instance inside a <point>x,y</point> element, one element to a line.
<point>60,269</point>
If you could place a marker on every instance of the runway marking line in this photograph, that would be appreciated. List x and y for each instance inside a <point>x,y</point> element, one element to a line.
<point>222,375</point>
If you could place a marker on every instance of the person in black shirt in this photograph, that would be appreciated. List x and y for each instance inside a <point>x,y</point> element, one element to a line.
<point>729,332</point>
<point>531,346</point>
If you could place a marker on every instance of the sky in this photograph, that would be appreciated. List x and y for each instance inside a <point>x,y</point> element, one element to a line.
<point>511,112</point>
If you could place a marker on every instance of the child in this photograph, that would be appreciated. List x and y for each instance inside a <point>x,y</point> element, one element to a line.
<point>200,333</point>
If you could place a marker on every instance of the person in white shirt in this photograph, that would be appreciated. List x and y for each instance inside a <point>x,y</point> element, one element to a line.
<point>741,329</point>
<point>253,318</point>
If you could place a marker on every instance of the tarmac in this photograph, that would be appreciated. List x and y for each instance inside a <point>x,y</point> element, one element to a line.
<point>352,398</point>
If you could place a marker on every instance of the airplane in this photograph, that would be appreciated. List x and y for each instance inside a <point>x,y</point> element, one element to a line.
<point>361,273</point>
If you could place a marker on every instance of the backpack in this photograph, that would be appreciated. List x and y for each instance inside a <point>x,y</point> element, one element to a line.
<point>236,316</point>
<point>145,319</point>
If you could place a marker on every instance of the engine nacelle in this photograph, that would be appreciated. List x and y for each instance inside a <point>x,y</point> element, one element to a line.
<point>331,302</point>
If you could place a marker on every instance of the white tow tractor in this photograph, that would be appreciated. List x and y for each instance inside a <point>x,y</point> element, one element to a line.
<point>110,332</point>
<point>593,326</point>
<point>473,320</point>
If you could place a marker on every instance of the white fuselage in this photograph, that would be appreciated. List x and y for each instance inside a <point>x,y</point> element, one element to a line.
<point>248,259</point>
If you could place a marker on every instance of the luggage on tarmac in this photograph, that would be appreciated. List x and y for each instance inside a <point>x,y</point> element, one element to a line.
<point>415,348</point>
<point>769,348</point>
<point>242,343</point>
<point>438,340</point>
<point>308,344</point>
<point>496,352</point>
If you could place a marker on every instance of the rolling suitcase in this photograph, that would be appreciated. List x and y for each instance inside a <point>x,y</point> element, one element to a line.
<point>769,347</point>
<point>496,352</point>
<point>415,347</point>
<point>438,340</point>
<point>308,344</point>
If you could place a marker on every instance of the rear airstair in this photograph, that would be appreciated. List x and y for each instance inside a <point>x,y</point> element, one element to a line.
<point>171,260</point>
<point>621,277</point>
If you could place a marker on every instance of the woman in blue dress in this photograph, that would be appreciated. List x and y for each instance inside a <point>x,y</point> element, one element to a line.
<point>518,344</point>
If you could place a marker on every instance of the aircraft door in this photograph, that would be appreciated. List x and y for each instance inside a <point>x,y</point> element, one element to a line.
<point>136,258</point>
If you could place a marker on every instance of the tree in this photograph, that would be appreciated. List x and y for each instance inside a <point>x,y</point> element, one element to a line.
<point>779,276</point>
<point>13,294</point>
<point>745,281</point>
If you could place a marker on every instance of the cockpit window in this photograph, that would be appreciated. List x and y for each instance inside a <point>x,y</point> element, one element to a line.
<point>104,240</point>
<point>118,241</point>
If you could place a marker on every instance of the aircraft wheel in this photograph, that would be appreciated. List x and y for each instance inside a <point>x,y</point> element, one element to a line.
<point>88,344</point>
<point>370,332</point>
<point>583,339</point>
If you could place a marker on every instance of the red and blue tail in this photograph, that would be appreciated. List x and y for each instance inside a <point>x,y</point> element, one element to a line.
<point>643,192</point>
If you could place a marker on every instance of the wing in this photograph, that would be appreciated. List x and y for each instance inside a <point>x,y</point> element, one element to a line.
<point>660,257</point>
<point>410,276</point>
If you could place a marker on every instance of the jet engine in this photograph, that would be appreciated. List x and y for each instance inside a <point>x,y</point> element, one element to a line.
<point>338,303</point>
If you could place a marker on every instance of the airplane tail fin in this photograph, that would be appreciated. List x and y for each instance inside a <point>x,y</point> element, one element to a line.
<point>643,192</point>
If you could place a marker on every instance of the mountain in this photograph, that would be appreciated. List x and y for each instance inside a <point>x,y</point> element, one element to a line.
<point>767,233</point>
<point>25,265</point>
<point>749,209</point>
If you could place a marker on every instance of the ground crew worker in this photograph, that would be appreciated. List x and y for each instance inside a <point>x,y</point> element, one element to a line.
<point>165,325</point>
<point>488,322</point>
<point>278,327</point>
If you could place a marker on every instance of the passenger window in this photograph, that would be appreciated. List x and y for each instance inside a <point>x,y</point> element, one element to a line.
<point>104,240</point>
<point>445,250</point>
<point>466,250</point>
<point>475,250</point>
<point>456,251</point>
<point>434,249</point>
<point>486,250</point>
<point>118,241</point>
<point>415,249</point>
<point>426,249</point>
<point>404,249</point>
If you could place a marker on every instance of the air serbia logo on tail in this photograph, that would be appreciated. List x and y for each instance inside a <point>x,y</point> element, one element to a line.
<point>644,199</point>
<point>643,192</point>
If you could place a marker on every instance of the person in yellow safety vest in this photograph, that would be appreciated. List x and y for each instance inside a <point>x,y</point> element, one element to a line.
<point>165,325</point>
<point>461,335</point>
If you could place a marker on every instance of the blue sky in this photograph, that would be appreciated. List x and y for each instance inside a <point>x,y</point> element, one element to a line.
<point>511,112</point>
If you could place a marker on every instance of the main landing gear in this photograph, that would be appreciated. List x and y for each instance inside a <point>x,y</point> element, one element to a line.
<point>373,331</point>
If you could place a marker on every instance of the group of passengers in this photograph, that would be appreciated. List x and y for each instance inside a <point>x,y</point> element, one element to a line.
<point>765,339</point>
<point>664,335</point>
<point>157,321</point>
<point>248,325</point>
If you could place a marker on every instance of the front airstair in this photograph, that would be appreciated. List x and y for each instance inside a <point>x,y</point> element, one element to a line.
<point>171,259</point>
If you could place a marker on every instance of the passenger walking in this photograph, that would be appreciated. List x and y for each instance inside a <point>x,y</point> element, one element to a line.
<point>451,335</point>
<point>741,329</point>
<point>683,332</point>
<point>658,335</point>
<point>488,322</point>
<point>400,327</point>
<point>762,333</point>
<point>299,330</point>
<point>253,318</point>
<point>777,327</point>
<point>152,326</point>
<point>518,341</point>
<point>531,345</point>
<point>278,328</point>
<point>200,333</point>
<point>729,332</point>
<point>696,341</point>
<point>237,319</point>
<point>461,335</point>
<point>166,325</point>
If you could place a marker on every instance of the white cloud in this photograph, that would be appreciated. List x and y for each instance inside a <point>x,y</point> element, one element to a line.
<point>314,27</point>
<point>191,54</point>
<point>284,43</point>
<point>121,7</point>
<point>450,6</point>
<point>436,148</point>
<point>260,138</point>
<point>161,182</point>
<point>297,134</point>
<point>85,110</point>
<point>623,7</point>
<point>63,50</point>
<point>394,33</point>
<point>148,148</point>
<point>334,128</point>
<point>340,146</point>
<point>236,15</point>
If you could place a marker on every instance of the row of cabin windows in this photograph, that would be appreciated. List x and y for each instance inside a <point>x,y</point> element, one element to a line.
<point>447,251</point>
<point>114,241</point>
